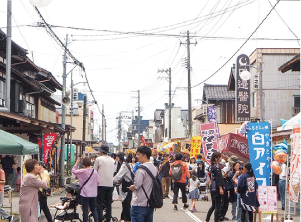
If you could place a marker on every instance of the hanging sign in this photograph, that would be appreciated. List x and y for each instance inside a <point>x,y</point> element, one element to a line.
<point>48,140</point>
<point>260,151</point>
<point>295,166</point>
<point>195,146</point>
<point>209,140</point>
<point>212,117</point>
<point>242,89</point>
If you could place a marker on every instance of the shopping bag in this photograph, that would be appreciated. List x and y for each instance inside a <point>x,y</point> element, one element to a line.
<point>115,194</point>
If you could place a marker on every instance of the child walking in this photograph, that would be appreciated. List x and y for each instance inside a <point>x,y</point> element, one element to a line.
<point>193,185</point>
<point>18,179</point>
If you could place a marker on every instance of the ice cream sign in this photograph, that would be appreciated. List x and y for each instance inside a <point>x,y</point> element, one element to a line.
<point>295,166</point>
<point>260,151</point>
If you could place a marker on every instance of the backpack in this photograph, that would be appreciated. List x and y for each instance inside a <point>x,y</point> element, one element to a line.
<point>176,172</point>
<point>156,197</point>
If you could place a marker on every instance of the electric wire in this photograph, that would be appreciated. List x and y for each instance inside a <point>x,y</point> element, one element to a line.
<point>239,47</point>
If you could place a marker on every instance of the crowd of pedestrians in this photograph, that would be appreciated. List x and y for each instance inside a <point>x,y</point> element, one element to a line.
<point>229,181</point>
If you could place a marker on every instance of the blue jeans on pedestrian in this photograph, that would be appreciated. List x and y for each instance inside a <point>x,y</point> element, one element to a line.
<point>282,191</point>
<point>239,209</point>
<point>142,214</point>
<point>86,203</point>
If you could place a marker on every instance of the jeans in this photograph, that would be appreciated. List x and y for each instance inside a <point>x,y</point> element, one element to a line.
<point>126,207</point>
<point>2,211</point>
<point>142,214</point>
<point>178,186</point>
<point>86,203</point>
<point>233,210</point>
<point>282,191</point>
<point>238,215</point>
<point>104,198</point>
<point>44,207</point>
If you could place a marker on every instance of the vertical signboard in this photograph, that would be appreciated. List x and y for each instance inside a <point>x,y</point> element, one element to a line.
<point>295,166</point>
<point>242,90</point>
<point>212,117</point>
<point>260,151</point>
<point>209,140</point>
<point>267,198</point>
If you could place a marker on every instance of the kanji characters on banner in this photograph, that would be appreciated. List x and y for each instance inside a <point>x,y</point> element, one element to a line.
<point>212,117</point>
<point>295,166</point>
<point>209,140</point>
<point>260,151</point>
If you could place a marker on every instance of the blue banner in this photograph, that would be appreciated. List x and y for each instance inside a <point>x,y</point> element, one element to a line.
<point>260,151</point>
<point>212,117</point>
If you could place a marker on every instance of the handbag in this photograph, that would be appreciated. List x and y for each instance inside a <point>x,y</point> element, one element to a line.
<point>126,184</point>
<point>46,192</point>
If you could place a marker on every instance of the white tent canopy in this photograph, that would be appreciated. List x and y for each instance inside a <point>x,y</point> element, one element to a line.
<point>296,120</point>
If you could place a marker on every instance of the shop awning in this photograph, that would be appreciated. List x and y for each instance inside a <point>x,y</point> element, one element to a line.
<point>11,144</point>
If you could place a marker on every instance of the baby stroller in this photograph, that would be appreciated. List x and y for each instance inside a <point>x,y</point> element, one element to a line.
<point>70,213</point>
<point>203,188</point>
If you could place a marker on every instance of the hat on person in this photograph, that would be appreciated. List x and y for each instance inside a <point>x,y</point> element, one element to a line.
<point>233,159</point>
<point>222,163</point>
<point>104,148</point>
<point>225,169</point>
<point>41,163</point>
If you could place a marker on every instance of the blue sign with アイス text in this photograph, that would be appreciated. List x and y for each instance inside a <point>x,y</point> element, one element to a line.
<point>259,135</point>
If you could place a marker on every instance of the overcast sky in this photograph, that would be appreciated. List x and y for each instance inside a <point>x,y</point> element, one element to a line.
<point>118,63</point>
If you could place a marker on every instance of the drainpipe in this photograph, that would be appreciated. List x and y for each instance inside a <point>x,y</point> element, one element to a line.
<point>8,59</point>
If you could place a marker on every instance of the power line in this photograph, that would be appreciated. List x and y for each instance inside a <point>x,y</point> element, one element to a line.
<point>239,47</point>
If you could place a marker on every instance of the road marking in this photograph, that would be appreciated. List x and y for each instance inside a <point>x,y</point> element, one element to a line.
<point>193,217</point>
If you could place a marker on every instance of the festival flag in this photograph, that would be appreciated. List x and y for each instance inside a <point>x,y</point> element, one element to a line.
<point>209,140</point>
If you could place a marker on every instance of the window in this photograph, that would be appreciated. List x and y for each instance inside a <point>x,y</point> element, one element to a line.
<point>2,93</point>
<point>30,106</point>
<point>297,101</point>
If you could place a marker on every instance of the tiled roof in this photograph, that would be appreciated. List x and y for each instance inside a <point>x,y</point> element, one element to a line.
<point>217,92</point>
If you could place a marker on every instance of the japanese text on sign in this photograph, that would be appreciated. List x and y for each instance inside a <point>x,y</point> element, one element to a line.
<point>209,139</point>
<point>242,88</point>
<point>260,151</point>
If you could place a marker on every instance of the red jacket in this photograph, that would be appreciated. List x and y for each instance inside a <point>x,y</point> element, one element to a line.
<point>185,171</point>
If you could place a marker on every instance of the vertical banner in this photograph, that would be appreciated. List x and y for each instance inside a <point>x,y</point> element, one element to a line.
<point>242,89</point>
<point>260,151</point>
<point>295,166</point>
<point>48,140</point>
<point>143,140</point>
<point>209,140</point>
<point>212,117</point>
<point>195,146</point>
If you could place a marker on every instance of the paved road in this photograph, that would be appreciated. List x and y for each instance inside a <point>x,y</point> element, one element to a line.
<point>166,213</point>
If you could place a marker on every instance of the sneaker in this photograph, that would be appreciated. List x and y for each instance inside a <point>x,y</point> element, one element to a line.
<point>175,207</point>
<point>10,218</point>
<point>186,206</point>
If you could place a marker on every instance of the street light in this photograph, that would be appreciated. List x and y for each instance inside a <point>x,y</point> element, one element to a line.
<point>246,75</point>
<point>40,3</point>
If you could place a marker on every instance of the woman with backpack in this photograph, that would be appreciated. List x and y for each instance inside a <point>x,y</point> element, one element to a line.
<point>217,188</point>
<point>126,177</point>
<point>247,188</point>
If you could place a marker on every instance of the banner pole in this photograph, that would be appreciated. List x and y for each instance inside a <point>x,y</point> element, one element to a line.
<point>271,142</point>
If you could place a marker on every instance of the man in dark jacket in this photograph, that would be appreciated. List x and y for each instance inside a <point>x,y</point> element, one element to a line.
<point>166,178</point>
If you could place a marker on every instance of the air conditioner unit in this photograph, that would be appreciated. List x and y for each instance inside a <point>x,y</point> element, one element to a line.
<point>21,106</point>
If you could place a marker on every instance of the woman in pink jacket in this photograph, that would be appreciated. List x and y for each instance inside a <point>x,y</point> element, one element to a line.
<point>28,203</point>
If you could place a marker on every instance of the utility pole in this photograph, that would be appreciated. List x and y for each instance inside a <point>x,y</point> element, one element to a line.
<point>103,125</point>
<point>62,155</point>
<point>84,125</point>
<point>168,71</point>
<point>138,118</point>
<point>189,86</point>
<point>119,131</point>
<point>71,121</point>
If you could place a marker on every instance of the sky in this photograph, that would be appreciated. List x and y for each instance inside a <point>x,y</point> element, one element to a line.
<point>123,44</point>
